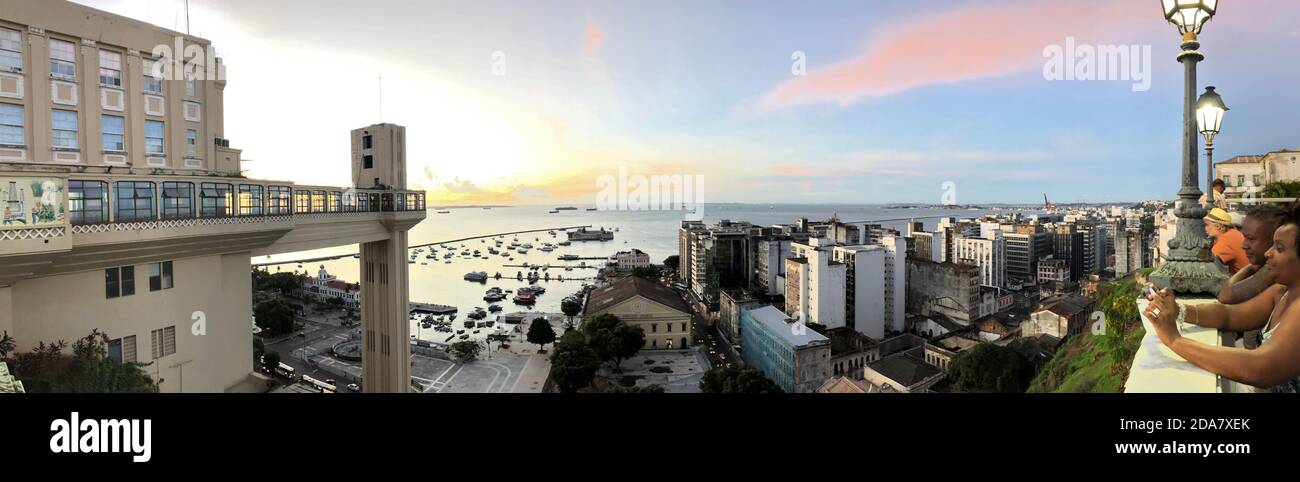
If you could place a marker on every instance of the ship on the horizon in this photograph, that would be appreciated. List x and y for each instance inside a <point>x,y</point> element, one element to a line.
<point>583,234</point>
<point>566,208</point>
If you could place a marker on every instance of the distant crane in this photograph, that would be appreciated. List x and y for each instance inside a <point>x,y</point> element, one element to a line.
<point>1048,207</point>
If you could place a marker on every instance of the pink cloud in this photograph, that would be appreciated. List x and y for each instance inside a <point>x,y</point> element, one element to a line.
<point>592,38</point>
<point>962,45</point>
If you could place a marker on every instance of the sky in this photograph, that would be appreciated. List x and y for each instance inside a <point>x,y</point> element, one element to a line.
<point>512,102</point>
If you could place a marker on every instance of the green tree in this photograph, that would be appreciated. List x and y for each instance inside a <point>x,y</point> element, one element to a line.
<point>991,368</point>
<point>7,345</point>
<point>1282,189</point>
<point>672,262</point>
<point>573,363</point>
<point>89,369</point>
<point>650,273</point>
<point>571,307</point>
<point>259,348</point>
<point>335,303</point>
<point>541,333</point>
<point>627,341</point>
<point>466,351</point>
<point>274,316</point>
<point>746,379</point>
<point>284,283</point>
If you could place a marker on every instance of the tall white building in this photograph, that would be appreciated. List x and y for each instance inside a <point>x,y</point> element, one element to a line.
<point>895,280</point>
<point>989,254</point>
<point>861,287</point>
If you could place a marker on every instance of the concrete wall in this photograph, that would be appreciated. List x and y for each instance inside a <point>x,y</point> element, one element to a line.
<point>67,307</point>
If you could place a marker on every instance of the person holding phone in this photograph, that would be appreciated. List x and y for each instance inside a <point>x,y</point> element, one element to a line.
<point>1275,365</point>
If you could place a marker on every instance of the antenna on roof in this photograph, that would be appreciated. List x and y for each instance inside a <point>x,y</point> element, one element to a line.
<point>187,17</point>
<point>381,98</point>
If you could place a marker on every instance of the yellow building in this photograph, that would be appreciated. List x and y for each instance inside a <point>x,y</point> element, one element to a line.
<point>659,311</point>
<point>125,210</point>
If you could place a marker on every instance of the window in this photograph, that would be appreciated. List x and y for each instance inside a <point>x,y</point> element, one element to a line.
<point>217,200</point>
<point>191,141</point>
<point>365,142</point>
<point>87,202</point>
<point>367,162</point>
<point>153,138</point>
<point>119,282</point>
<point>683,327</point>
<point>12,130</point>
<point>318,201</point>
<point>335,201</point>
<point>1241,180</point>
<point>302,201</point>
<point>193,111</point>
<point>1255,179</point>
<point>278,200</point>
<point>160,276</point>
<point>135,201</point>
<point>11,50</point>
<point>654,328</point>
<point>122,349</point>
<point>64,125</point>
<point>177,200</point>
<point>163,342</point>
<point>63,60</point>
<point>250,200</point>
<point>110,68</point>
<point>363,202</point>
<point>189,88</point>
<point>114,133</point>
<point>152,80</point>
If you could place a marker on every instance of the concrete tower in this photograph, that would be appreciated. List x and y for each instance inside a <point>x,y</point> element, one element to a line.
<point>379,161</point>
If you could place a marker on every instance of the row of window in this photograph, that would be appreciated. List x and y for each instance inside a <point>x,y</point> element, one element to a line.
<point>668,327</point>
<point>63,63</point>
<point>120,282</point>
<point>63,125</point>
<point>1241,180</point>
<point>89,202</point>
<point>162,343</point>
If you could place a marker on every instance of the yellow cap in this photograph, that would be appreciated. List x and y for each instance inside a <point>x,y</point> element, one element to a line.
<point>1219,216</point>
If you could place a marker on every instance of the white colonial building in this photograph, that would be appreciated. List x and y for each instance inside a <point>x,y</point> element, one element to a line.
<point>329,286</point>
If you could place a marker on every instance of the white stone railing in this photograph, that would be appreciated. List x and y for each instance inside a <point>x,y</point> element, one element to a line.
<point>33,233</point>
<point>174,223</point>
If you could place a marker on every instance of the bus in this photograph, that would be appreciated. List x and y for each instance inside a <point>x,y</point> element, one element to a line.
<point>285,371</point>
<point>324,387</point>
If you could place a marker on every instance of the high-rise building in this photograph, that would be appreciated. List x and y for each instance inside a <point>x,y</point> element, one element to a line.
<point>769,264</point>
<point>1130,252</point>
<point>1068,246</point>
<point>895,282</point>
<point>989,254</point>
<point>137,218</point>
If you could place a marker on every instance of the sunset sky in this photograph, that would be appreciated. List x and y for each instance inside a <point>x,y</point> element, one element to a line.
<point>898,96</point>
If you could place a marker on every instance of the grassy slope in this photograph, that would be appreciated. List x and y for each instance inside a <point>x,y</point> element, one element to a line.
<point>1083,365</point>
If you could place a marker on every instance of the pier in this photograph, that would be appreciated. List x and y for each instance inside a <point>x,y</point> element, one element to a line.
<point>348,255</point>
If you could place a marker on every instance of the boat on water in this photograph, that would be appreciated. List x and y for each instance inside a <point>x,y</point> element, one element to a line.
<point>525,298</point>
<point>566,208</point>
<point>583,234</point>
<point>564,243</point>
<point>591,209</point>
<point>547,248</point>
<point>526,245</point>
<point>356,256</point>
<point>444,212</point>
<point>476,276</point>
<point>494,308</point>
<point>552,212</point>
<point>568,257</point>
<point>522,250</point>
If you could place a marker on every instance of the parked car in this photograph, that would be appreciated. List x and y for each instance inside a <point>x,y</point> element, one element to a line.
<point>354,387</point>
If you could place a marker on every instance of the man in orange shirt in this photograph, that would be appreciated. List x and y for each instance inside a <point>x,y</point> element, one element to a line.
<point>1229,244</point>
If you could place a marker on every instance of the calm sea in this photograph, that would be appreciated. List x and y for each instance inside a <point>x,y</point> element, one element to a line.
<point>654,232</point>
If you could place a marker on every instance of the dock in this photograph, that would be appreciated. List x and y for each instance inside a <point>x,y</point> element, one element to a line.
<point>430,308</point>
<point>348,255</point>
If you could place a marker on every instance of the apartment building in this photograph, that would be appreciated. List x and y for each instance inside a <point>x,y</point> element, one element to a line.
<point>125,210</point>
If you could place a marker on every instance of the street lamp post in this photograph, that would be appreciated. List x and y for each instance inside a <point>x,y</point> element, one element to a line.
<point>1190,267</point>
<point>1209,117</point>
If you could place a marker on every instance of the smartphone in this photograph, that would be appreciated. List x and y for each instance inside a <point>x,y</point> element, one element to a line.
<point>1149,292</point>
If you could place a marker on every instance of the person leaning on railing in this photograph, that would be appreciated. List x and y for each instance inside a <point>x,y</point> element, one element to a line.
<point>1276,363</point>
<point>1257,229</point>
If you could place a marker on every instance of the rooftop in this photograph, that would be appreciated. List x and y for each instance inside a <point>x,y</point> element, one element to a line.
<point>607,296</point>
<point>776,321</point>
<point>904,368</point>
